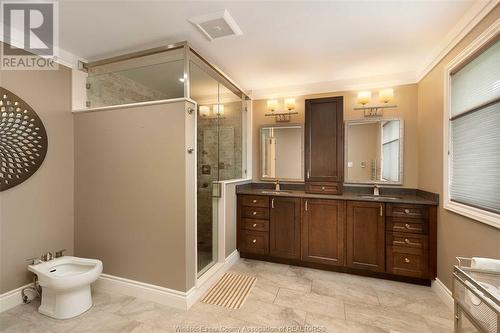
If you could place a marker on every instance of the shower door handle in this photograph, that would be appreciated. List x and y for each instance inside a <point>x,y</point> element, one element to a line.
<point>216,190</point>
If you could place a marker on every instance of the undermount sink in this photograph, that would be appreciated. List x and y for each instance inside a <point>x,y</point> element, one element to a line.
<point>378,197</point>
<point>274,192</point>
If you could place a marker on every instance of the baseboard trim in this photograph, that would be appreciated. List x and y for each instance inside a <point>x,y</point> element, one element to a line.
<point>12,298</point>
<point>174,298</point>
<point>150,292</point>
<point>443,292</point>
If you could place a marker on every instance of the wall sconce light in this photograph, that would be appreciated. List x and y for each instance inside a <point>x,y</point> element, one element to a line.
<point>204,111</point>
<point>281,116</point>
<point>364,97</point>
<point>384,95</point>
<point>272,105</point>
<point>290,103</point>
<point>218,110</point>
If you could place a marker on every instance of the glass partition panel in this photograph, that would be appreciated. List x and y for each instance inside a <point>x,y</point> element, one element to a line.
<point>230,134</point>
<point>143,79</point>
<point>221,146</point>
<point>205,91</point>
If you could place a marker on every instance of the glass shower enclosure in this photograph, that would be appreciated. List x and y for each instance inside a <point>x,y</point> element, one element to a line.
<point>178,71</point>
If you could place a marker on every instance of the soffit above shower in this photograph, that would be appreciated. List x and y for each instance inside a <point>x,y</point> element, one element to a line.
<point>217,25</point>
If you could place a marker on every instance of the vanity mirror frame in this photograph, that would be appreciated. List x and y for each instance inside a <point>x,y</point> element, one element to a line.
<point>348,123</point>
<point>261,166</point>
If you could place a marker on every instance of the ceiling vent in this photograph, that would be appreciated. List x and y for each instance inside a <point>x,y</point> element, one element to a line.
<point>217,25</point>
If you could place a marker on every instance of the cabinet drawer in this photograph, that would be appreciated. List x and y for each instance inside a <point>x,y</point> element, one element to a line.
<point>258,225</point>
<point>400,241</point>
<point>255,212</point>
<point>410,225</point>
<point>254,200</point>
<point>410,211</point>
<point>324,188</point>
<point>254,241</point>
<point>407,264</point>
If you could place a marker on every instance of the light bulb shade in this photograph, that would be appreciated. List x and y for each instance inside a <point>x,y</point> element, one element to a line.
<point>218,109</point>
<point>386,95</point>
<point>364,97</point>
<point>272,104</point>
<point>204,110</point>
<point>290,103</point>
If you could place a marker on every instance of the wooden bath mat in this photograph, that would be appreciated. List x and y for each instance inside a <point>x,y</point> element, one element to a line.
<point>230,291</point>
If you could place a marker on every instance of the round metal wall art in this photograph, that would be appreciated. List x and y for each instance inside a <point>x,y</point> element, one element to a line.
<point>23,140</point>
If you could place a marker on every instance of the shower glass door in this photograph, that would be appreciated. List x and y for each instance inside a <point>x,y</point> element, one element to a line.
<point>205,91</point>
<point>220,150</point>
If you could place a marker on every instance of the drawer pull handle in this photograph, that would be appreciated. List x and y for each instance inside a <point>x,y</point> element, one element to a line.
<point>254,241</point>
<point>254,201</point>
<point>407,211</point>
<point>254,213</point>
<point>407,241</point>
<point>407,260</point>
<point>407,226</point>
<point>254,225</point>
<point>322,188</point>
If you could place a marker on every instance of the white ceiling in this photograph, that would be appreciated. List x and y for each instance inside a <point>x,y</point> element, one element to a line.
<point>285,46</point>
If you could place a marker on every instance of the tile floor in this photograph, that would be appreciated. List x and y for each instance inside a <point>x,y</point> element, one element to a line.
<point>283,296</point>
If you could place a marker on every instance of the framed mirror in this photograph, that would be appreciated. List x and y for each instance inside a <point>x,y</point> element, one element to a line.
<point>374,151</point>
<point>282,153</point>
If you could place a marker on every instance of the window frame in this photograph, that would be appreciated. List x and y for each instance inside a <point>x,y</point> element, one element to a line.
<point>469,53</point>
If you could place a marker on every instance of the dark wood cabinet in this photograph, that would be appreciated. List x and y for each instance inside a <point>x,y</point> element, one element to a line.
<point>365,245</point>
<point>389,240</point>
<point>324,145</point>
<point>410,249</point>
<point>323,231</point>
<point>284,231</point>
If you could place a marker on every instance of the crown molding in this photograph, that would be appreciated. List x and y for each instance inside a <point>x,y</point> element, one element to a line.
<point>371,82</point>
<point>466,23</point>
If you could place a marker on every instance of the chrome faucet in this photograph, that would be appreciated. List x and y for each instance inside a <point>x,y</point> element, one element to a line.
<point>47,256</point>
<point>376,191</point>
<point>277,186</point>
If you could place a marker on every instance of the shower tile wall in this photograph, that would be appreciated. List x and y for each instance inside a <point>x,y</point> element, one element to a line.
<point>229,166</point>
<point>115,89</point>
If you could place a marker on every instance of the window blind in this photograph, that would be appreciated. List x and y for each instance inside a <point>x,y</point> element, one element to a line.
<point>477,83</point>
<point>475,157</point>
<point>474,170</point>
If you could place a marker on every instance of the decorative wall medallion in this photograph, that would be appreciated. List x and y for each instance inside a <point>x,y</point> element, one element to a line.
<point>23,140</point>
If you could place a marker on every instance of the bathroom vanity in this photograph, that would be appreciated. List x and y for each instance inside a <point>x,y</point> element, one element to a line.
<point>391,236</point>
<point>328,215</point>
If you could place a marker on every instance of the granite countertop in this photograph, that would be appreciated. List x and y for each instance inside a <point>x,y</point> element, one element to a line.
<point>388,195</point>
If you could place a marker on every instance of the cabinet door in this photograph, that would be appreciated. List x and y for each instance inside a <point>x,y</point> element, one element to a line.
<point>365,235</point>
<point>284,228</point>
<point>323,231</point>
<point>324,140</point>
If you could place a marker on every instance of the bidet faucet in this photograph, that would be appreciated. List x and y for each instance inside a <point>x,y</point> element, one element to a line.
<point>34,261</point>
<point>47,256</point>
<point>60,253</point>
<point>376,191</point>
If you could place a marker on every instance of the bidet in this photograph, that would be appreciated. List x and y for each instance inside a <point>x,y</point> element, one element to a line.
<point>65,283</point>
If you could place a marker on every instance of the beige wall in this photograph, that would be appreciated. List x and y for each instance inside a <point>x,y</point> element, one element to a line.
<point>37,216</point>
<point>130,193</point>
<point>404,96</point>
<point>457,235</point>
